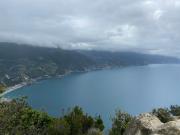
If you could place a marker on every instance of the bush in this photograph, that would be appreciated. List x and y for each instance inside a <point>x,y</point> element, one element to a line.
<point>99,123</point>
<point>34,121</point>
<point>94,131</point>
<point>121,121</point>
<point>16,117</point>
<point>80,123</point>
<point>175,110</point>
<point>59,127</point>
<point>74,118</point>
<point>2,88</point>
<point>163,114</point>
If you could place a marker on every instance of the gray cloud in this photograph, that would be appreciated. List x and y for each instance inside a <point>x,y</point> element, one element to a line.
<point>148,26</point>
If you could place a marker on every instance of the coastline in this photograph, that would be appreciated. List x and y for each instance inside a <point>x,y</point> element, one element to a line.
<point>23,84</point>
<point>13,88</point>
<point>20,85</point>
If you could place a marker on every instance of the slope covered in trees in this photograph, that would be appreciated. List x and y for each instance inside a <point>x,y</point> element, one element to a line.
<point>19,63</point>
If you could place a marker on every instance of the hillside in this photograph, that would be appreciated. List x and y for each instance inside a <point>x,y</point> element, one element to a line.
<point>127,58</point>
<point>20,63</point>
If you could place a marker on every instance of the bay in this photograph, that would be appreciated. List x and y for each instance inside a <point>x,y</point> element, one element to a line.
<point>133,89</point>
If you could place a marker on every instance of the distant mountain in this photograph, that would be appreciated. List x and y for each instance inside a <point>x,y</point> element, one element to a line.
<point>127,58</point>
<point>20,63</point>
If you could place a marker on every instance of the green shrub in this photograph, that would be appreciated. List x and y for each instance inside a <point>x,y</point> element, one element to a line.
<point>121,121</point>
<point>175,110</point>
<point>34,121</point>
<point>2,88</point>
<point>163,114</point>
<point>94,131</point>
<point>99,123</point>
<point>80,123</point>
<point>16,117</point>
<point>59,127</point>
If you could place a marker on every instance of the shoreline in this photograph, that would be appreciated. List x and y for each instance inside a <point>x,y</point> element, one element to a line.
<point>13,88</point>
<point>23,84</point>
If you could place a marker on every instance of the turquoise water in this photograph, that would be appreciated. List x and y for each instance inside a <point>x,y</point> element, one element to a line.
<point>133,89</point>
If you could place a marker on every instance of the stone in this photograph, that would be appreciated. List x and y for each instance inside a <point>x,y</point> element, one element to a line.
<point>148,124</point>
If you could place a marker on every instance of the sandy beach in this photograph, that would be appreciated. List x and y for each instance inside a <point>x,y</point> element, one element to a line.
<point>13,88</point>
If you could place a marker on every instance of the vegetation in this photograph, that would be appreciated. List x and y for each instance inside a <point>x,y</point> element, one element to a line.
<point>120,122</point>
<point>167,114</point>
<point>2,88</point>
<point>175,110</point>
<point>20,63</point>
<point>122,119</point>
<point>16,117</point>
<point>94,131</point>
<point>163,114</point>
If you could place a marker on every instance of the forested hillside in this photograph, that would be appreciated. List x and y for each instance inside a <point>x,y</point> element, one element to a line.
<point>19,63</point>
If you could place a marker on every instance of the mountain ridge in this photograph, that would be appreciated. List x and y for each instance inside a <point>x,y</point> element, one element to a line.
<point>19,63</point>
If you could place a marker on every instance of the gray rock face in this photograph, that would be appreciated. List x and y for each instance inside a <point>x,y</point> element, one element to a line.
<point>148,124</point>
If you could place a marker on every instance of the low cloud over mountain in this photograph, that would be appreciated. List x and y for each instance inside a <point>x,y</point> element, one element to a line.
<point>148,26</point>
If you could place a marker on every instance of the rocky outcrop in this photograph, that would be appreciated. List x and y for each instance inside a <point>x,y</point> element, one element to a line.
<point>148,124</point>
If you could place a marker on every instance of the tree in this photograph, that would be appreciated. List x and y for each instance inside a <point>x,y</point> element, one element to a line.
<point>163,114</point>
<point>88,122</point>
<point>59,127</point>
<point>17,117</point>
<point>175,110</point>
<point>32,121</point>
<point>99,123</point>
<point>80,123</point>
<point>120,123</point>
<point>74,119</point>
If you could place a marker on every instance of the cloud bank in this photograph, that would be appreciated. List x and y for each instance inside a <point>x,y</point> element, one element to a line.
<point>147,26</point>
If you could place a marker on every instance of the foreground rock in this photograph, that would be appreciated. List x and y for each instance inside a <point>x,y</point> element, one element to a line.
<point>148,124</point>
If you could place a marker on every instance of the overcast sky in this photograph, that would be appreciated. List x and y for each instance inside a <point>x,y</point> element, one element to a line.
<point>148,26</point>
